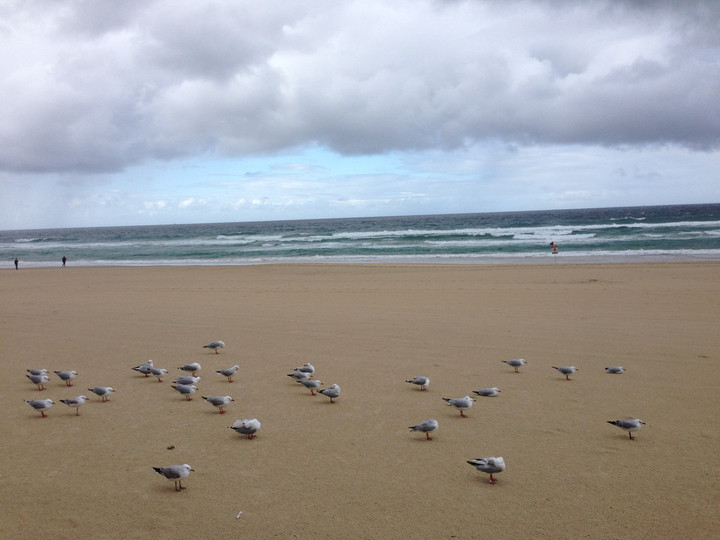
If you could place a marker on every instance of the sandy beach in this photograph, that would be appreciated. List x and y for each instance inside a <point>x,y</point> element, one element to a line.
<point>352,469</point>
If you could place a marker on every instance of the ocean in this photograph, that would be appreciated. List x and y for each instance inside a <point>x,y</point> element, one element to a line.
<point>627,234</point>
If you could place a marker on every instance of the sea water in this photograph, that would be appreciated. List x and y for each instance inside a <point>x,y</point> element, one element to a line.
<point>649,233</point>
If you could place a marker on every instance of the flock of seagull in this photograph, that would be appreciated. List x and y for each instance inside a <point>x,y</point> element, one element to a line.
<point>496,465</point>
<point>186,386</point>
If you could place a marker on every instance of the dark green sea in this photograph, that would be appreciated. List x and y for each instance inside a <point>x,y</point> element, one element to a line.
<point>651,233</point>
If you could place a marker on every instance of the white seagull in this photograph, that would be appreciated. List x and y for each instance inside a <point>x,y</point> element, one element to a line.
<point>40,380</point>
<point>41,405</point>
<point>66,376</point>
<point>299,375</point>
<point>219,401</point>
<point>158,372</point>
<point>311,385</point>
<point>307,368</point>
<point>426,426</point>
<point>187,379</point>
<point>249,427</point>
<point>76,402</point>
<point>615,369</point>
<point>185,389</point>
<point>215,345</point>
<point>566,370</point>
<point>628,425</point>
<point>102,391</point>
<point>332,392</point>
<point>229,372</point>
<point>193,368</point>
<point>422,382</point>
<point>460,404</point>
<point>487,392</point>
<point>516,363</point>
<point>144,368</point>
<point>176,473</point>
<point>37,371</point>
<point>489,465</point>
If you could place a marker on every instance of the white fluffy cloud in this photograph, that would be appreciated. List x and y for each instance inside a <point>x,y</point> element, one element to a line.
<point>98,86</point>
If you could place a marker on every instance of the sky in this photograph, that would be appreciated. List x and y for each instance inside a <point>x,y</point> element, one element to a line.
<point>199,111</point>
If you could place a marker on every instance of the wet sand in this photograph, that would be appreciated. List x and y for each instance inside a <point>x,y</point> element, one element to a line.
<point>352,469</point>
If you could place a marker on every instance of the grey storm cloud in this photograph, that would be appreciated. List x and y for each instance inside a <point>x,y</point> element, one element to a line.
<point>93,86</point>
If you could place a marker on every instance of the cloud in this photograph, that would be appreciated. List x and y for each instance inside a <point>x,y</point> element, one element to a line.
<point>100,86</point>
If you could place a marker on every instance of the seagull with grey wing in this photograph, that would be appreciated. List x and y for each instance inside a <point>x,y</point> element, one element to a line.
<point>215,346</point>
<point>421,381</point>
<point>461,404</point>
<point>175,473</point>
<point>40,405</point>
<point>229,372</point>
<point>426,427</point>
<point>75,402</point>
<point>628,425</point>
<point>489,465</point>
<point>566,370</point>
<point>66,376</point>
<point>248,426</point>
<point>219,401</point>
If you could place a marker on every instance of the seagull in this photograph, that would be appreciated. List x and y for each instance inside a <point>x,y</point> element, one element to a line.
<point>628,425</point>
<point>299,375</point>
<point>158,372</point>
<point>426,426</point>
<point>422,382</point>
<point>76,402</point>
<point>490,465</point>
<point>515,363</point>
<point>185,389</point>
<point>311,385</point>
<point>144,368</point>
<point>566,370</point>
<point>102,391</point>
<point>460,403</point>
<point>66,376</point>
<point>37,371</point>
<point>487,392</point>
<point>216,345</point>
<point>177,473</point>
<point>40,380</point>
<point>306,368</point>
<point>219,401</point>
<point>191,368</point>
<point>187,379</point>
<point>229,372</point>
<point>248,427</point>
<point>41,405</point>
<point>332,392</point>
<point>615,369</point>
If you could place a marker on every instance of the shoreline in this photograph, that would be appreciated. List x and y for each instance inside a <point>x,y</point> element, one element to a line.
<point>352,468</point>
<point>399,260</point>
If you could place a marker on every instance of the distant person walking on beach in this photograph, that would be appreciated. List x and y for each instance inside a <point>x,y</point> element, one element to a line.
<point>16,263</point>
<point>64,260</point>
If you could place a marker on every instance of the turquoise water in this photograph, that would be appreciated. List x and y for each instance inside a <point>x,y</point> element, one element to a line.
<point>682,232</point>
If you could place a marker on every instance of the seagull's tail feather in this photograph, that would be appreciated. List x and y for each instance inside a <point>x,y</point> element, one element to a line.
<point>446,400</point>
<point>158,470</point>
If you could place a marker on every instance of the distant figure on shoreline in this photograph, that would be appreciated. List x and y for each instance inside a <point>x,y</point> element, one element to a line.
<point>16,263</point>
<point>64,260</point>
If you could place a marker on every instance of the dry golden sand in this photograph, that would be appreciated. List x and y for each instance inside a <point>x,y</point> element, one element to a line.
<point>352,469</point>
